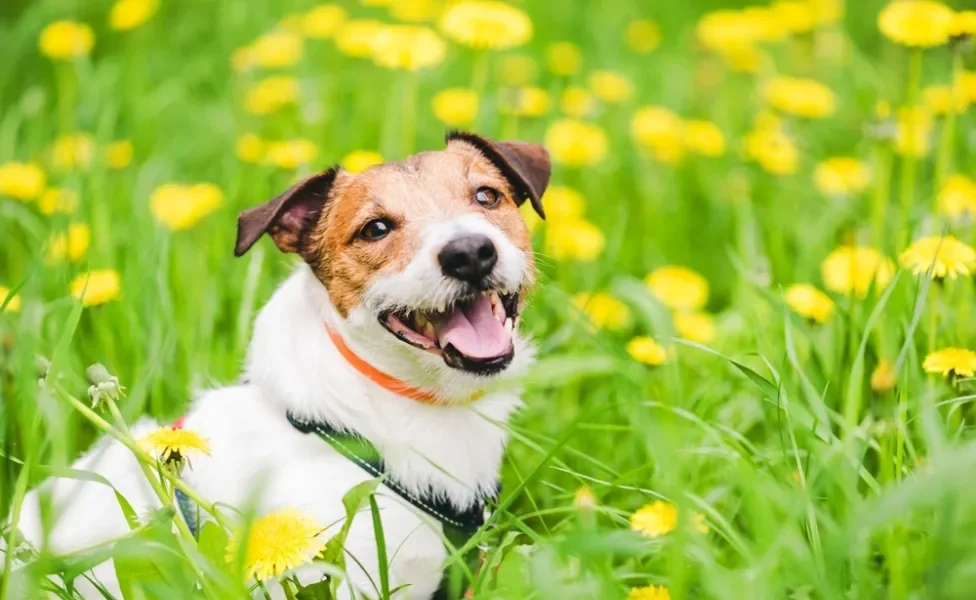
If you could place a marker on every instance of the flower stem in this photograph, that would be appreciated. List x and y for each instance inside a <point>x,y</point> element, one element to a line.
<point>943,163</point>
<point>882,191</point>
<point>910,158</point>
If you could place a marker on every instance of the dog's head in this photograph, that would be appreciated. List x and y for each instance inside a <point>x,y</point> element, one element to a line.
<point>430,254</point>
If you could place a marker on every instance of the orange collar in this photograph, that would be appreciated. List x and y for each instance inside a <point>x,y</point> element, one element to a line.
<point>387,382</point>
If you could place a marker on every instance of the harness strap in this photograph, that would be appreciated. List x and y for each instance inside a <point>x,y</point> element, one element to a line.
<point>458,526</point>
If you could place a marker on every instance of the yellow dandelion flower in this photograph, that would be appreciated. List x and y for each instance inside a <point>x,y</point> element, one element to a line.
<point>649,592</point>
<point>963,23</point>
<point>291,154</point>
<point>277,49</point>
<point>610,86</point>
<point>73,150</point>
<point>659,131</point>
<point>841,176</point>
<point>455,107</point>
<point>408,47</point>
<point>355,37</point>
<point>525,101</point>
<point>271,94</point>
<point>574,239</point>
<point>747,58</point>
<point>278,542</point>
<point>102,286</point>
<point>416,11</point>
<point>118,154</point>
<point>577,102</point>
<point>65,40</point>
<point>58,201</point>
<point>563,203</point>
<point>172,443</point>
<point>958,362</point>
<point>766,24</point>
<point>678,288</point>
<point>323,21</point>
<point>809,302</point>
<point>486,25</point>
<point>796,16</point>
<point>72,245</point>
<point>916,23</point>
<point>358,161</point>
<point>250,148</point>
<point>21,181</point>
<point>14,304</point>
<point>180,207</point>
<point>129,14</point>
<point>643,36</point>
<point>914,134</point>
<point>800,97</point>
<point>966,82</point>
<point>943,256</point>
<point>704,138</point>
<point>730,30</point>
<point>646,350</point>
<point>884,377</point>
<point>695,326</point>
<point>655,519</point>
<point>827,11</point>
<point>564,58</point>
<point>603,310</point>
<point>517,69</point>
<point>853,269</point>
<point>942,99</point>
<point>576,143</point>
<point>774,150</point>
<point>957,198</point>
<point>584,499</point>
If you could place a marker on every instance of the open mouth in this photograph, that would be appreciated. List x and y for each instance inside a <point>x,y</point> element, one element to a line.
<point>474,334</point>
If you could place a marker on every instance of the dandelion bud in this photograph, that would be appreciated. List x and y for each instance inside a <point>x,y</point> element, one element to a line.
<point>104,385</point>
<point>584,500</point>
<point>883,378</point>
<point>41,365</point>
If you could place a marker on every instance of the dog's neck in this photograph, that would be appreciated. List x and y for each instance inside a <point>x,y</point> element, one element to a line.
<point>452,448</point>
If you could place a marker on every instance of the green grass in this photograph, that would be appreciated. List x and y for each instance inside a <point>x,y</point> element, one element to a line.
<point>812,484</point>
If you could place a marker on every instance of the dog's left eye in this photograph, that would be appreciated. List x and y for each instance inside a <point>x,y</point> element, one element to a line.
<point>487,197</point>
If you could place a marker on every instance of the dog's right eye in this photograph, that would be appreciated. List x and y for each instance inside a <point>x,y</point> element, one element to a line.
<point>376,229</point>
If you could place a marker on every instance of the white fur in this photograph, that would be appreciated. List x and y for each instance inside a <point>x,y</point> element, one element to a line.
<point>259,460</point>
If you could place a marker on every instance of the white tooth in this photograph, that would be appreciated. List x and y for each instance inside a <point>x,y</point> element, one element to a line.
<point>420,321</point>
<point>428,330</point>
<point>509,325</point>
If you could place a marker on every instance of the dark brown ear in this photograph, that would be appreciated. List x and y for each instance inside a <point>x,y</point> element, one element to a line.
<point>524,164</point>
<point>288,216</point>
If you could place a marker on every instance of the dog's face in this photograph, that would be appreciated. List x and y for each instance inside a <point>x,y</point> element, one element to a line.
<point>432,249</point>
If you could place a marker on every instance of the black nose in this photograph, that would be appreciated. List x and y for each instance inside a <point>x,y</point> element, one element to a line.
<point>470,258</point>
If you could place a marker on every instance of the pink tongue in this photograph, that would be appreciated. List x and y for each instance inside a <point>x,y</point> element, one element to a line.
<point>474,331</point>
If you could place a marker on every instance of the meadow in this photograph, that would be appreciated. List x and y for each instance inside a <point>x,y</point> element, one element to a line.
<point>754,314</point>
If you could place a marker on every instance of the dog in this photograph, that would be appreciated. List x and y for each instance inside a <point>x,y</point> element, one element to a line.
<point>396,327</point>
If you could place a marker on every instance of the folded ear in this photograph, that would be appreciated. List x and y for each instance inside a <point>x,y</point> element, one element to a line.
<point>525,165</point>
<point>288,216</point>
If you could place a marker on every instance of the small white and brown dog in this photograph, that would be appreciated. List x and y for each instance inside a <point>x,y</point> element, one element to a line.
<point>403,312</point>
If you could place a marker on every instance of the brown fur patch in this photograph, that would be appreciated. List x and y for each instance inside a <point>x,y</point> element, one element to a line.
<point>424,187</point>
